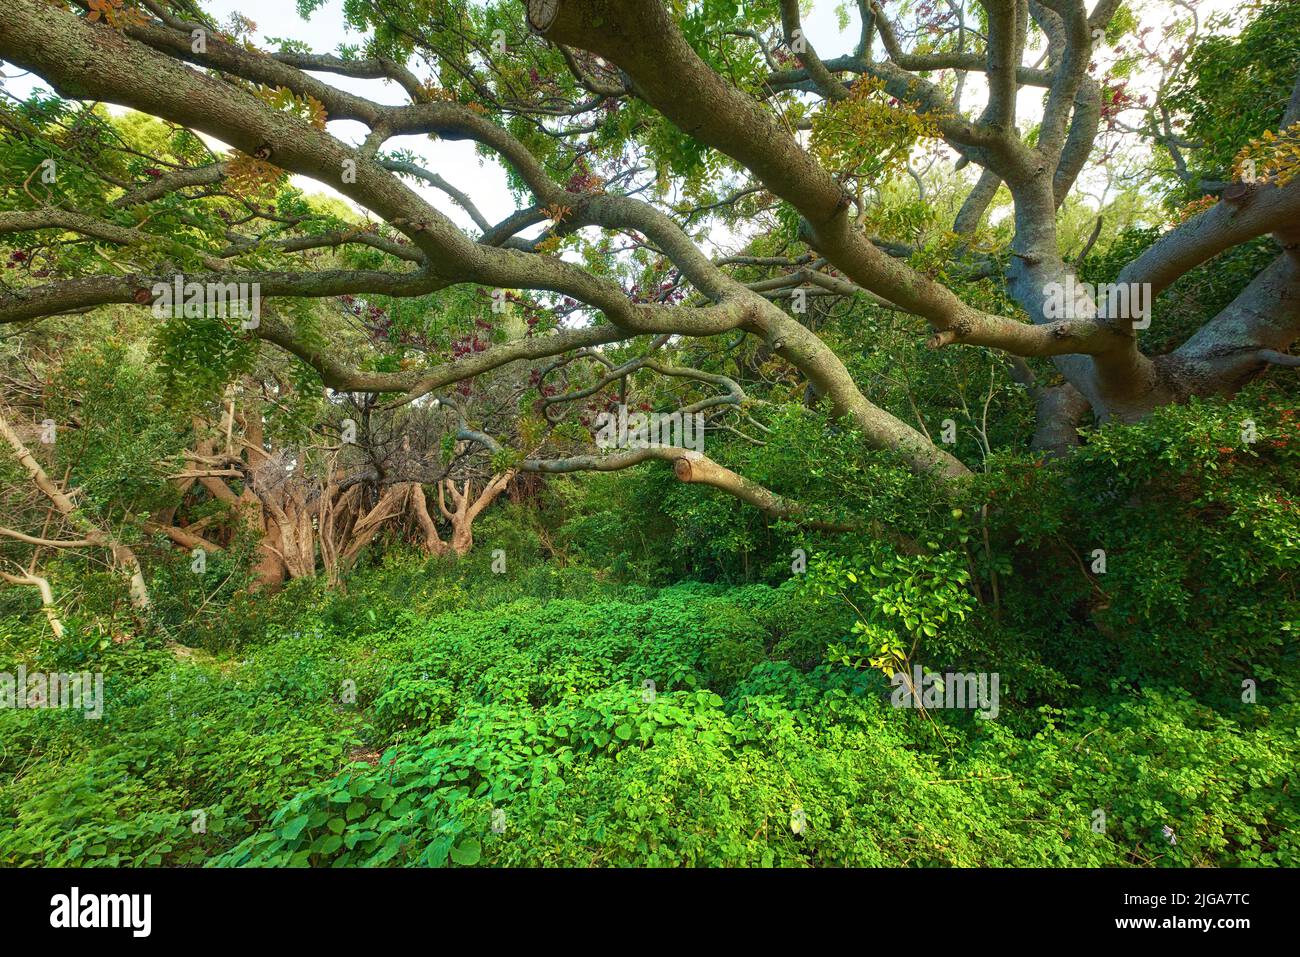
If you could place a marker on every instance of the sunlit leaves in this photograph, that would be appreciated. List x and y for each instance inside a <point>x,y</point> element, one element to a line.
<point>866,136</point>
<point>1271,157</point>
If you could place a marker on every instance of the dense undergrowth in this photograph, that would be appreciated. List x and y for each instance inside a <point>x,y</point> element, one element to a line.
<point>435,712</point>
<point>432,716</point>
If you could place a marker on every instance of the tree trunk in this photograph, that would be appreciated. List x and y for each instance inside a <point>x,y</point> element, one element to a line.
<point>467,507</point>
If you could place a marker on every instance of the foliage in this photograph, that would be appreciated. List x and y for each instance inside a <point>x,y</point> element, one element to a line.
<point>525,733</point>
<point>1236,88</point>
<point>628,669</point>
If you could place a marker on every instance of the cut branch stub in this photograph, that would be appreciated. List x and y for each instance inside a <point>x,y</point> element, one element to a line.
<point>541,14</point>
<point>1236,193</point>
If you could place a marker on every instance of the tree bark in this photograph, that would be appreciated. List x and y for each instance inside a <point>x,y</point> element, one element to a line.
<point>123,557</point>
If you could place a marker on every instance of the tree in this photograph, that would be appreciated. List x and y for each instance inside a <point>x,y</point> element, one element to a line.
<point>595,105</point>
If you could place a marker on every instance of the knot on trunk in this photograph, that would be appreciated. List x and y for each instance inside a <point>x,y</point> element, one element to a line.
<point>541,14</point>
<point>1236,194</point>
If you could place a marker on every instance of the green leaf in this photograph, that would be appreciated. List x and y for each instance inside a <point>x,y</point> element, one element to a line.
<point>467,852</point>
<point>330,843</point>
<point>291,830</point>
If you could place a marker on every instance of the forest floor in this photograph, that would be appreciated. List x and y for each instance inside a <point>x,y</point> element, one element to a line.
<point>422,721</point>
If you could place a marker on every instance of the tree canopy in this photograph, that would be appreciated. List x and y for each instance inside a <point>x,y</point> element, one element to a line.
<point>955,333</point>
